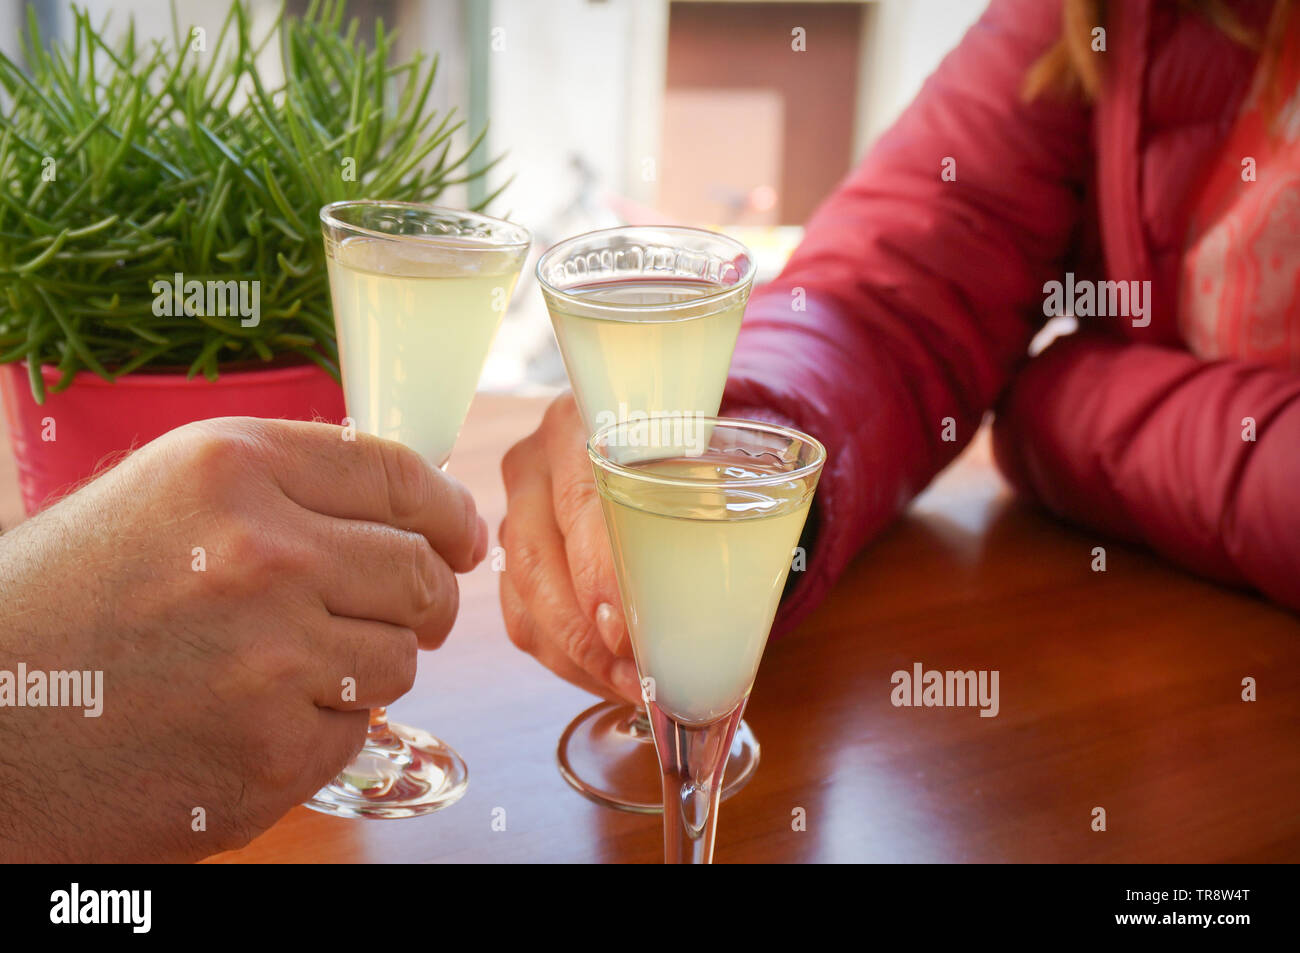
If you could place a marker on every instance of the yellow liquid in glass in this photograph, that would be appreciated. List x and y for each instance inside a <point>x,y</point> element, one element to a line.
<point>637,364</point>
<point>415,322</point>
<point>701,571</point>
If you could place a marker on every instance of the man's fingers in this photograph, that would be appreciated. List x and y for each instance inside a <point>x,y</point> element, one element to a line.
<point>362,664</point>
<point>376,480</point>
<point>336,738</point>
<point>373,571</point>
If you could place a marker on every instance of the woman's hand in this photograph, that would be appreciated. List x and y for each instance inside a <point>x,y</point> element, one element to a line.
<point>559,594</point>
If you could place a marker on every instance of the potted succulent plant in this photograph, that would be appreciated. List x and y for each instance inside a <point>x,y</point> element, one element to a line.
<point>160,256</point>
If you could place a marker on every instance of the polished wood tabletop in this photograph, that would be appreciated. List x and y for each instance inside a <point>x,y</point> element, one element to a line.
<point>1119,690</point>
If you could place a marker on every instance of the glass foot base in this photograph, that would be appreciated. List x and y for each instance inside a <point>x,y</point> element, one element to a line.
<point>401,772</point>
<point>608,755</point>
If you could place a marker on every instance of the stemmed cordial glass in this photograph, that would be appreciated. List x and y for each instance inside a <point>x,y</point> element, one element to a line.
<point>703,521</point>
<point>646,318</point>
<point>418,293</point>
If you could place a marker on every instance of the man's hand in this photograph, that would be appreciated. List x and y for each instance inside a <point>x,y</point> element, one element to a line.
<point>559,593</point>
<point>227,579</point>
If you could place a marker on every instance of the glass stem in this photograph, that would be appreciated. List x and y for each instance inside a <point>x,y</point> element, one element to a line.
<point>692,759</point>
<point>377,734</point>
<point>638,726</point>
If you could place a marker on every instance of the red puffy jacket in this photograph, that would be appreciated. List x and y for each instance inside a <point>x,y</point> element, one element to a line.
<point>913,299</point>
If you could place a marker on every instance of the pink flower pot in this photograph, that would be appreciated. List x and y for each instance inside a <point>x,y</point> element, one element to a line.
<point>94,422</point>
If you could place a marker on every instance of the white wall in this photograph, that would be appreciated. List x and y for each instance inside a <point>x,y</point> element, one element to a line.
<point>587,78</point>
<point>438,27</point>
<point>153,20</point>
<point>576,77</point>
<point>571,77</point>
<point>905,40</point>
<point>153,17</point>
<point>12,15</point>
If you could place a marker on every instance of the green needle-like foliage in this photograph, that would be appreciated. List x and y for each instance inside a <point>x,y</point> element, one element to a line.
<point>122,164</point>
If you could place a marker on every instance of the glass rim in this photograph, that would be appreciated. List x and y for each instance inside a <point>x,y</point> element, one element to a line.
<point>745,282</point>
<point>522,239</point>
<point>736,423</point>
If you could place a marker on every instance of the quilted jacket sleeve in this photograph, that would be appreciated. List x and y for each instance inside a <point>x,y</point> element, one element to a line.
<point>918,285</point>
<point>1198,460</point>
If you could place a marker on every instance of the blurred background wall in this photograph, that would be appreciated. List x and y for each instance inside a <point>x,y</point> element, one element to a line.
<point>737,115</point>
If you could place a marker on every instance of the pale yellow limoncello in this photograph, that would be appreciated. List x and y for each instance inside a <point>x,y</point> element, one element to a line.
<point>646,346</point>
<point>415,321</point>
<point>701,569</point>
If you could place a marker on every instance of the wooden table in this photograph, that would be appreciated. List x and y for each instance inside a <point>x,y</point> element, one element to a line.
<point>1119,690</point>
